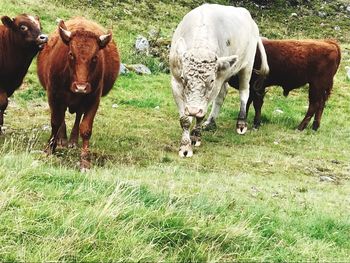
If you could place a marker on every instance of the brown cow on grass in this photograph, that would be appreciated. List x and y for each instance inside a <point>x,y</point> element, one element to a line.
<point>20,41</point>
<point>292,64</point>
<point>79,64</point>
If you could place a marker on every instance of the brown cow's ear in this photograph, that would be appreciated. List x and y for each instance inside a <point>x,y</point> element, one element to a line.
<point>8,22</point>
<point>105,39</point>
<point>64,34</point>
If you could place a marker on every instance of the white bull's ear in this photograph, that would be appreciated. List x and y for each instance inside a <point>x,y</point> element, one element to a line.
<point>225,63</point>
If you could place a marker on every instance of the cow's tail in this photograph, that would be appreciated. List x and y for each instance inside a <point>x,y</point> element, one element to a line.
<point>336,45</point>
<point>264,68</point>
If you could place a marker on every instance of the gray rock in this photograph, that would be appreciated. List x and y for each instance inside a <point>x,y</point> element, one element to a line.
<point>325,178</point>
<point>348,9</point>
<point>347,68</point>
<point>141,44</point>
<point>337,28</point>
<point>139,69</point>
<point>123,70</point>
<point>322,14</point>
<point>294,15</point>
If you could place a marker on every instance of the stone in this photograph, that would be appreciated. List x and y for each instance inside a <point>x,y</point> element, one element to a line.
<point>141,44</point>
<point>139,69</point>
<point>123,70</point>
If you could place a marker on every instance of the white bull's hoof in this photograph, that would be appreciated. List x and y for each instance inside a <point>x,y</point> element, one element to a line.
<point>209,126</point>
<point>241,127</point>
<point>185,151</point>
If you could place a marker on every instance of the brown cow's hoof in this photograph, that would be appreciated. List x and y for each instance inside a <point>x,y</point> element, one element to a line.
<point>85,166</point>
<point>315,125</point>
<point>241,127</point>
<point>196,137</point>
<point>186,151</point>
<point>72,145</point>
<point>62,143</point>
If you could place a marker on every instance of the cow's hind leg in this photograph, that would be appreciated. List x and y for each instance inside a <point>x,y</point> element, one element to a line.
<point>323,98</point>
<point>3,106</point>
<point>244,77</point>
<point>258,100</point>
<point>314,103</point>
<point>74,135</point>
<point>210,123</point>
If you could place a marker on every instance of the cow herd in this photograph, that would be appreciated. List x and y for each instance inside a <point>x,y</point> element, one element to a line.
<point>213,46</point>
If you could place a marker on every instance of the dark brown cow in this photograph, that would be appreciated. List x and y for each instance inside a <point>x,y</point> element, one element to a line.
<point>293,64</point>
<point>79,64</point>
<point>20,41</point>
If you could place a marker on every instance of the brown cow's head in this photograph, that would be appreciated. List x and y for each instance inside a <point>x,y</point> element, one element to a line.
<point>28,29</point>
<point>84,57</point>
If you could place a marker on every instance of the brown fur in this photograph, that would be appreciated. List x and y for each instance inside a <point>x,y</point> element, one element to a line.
<point>17,50</point>
<point>59,74</point>
<point>293,64</point>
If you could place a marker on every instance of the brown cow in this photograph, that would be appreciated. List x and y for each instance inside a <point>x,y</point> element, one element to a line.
<point>293,63</point>
<point>79,64</point>
<point>20,41</point>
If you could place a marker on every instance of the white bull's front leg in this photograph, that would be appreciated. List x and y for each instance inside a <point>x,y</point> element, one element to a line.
<point>210,123</point>
<point>185,121</point>
<point>244,78</point>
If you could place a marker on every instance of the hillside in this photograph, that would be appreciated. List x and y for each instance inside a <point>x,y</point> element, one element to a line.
<point>272,195</point>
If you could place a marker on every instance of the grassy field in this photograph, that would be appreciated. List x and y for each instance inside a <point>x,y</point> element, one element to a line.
<point>272,195</point>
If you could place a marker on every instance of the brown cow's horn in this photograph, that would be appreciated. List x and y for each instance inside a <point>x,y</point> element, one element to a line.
<point>65,35</point>
<point>104,39</point>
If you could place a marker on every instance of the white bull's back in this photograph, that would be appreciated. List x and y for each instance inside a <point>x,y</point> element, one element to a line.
<point>220,29</point>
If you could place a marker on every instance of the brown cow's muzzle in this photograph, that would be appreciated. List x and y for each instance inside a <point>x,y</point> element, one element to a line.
<point>81,87</point>
<point>41,40</point>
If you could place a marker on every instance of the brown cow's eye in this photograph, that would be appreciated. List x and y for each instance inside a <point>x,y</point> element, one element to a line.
<point>23,28</point>
<point>71,56</point>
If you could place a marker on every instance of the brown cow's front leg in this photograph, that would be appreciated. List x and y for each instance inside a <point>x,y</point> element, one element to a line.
<point>57,119</point>
<point>3,106</point>
<point>85,133</point>
<point>62,135</point>
<point>74,135</point>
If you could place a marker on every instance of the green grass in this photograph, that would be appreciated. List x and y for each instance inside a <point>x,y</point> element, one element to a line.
<point>257,197</point>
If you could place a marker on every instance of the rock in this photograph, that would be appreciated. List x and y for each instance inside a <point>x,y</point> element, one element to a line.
<point>324,178</point>
<point>115,106</point>
<point>279,111</point>
<point>156,107</point>
<point>139,69</point>
<point>348,9</point>
<point>123,70</point>
<point>141,44</point>
<point>347,68</point>
<point>322,14</point>
<point>294,15</point>
<point>337,28</point>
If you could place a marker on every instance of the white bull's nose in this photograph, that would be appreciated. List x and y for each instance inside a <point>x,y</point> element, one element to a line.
<point>194,112</point>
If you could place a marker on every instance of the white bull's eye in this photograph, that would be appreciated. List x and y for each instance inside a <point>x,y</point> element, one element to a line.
<point>24,28</point>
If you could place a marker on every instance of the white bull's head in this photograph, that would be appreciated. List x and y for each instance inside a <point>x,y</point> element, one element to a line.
<point>202,76</point>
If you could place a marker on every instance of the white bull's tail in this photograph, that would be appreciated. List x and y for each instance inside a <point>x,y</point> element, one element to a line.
<point>264,68</point>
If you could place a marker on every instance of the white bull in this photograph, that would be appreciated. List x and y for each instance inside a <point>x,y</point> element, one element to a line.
<point>211,44</point>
